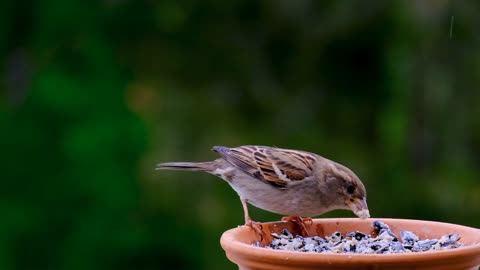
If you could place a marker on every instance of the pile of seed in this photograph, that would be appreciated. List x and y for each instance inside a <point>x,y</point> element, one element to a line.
<point>386,242</point>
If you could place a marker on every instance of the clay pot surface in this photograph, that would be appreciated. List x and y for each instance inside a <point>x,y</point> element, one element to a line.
<point>237,244</point>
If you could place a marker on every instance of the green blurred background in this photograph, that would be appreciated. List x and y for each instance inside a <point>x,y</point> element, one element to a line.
<point>94,94</point>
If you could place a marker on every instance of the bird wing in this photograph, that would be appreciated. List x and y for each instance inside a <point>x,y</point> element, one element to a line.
<point>275,166</point>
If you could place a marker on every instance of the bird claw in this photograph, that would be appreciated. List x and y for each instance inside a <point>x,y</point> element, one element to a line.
<point>308,221</point>
<point>257,227</point>
<point>301,222</point>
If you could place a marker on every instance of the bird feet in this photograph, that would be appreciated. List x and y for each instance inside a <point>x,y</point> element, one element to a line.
<point>257,227</point>
<point>301,222</point>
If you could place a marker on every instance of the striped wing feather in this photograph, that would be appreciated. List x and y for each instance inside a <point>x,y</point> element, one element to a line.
<point>275,166</point>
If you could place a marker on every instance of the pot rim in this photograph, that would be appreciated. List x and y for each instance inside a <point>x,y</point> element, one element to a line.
<point>262,254</point>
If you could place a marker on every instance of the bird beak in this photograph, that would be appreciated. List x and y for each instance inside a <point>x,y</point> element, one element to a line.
<point>359,207</point>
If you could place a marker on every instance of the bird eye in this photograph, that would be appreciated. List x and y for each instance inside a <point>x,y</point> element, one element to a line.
<point>351,189</point>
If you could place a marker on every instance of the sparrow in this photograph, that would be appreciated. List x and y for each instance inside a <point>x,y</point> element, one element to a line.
<point>288,182</point>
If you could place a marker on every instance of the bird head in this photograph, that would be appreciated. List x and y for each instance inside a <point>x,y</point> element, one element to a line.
<point>348,191</point>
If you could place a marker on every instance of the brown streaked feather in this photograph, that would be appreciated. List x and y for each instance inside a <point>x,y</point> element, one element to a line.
<point>275,166</point>
<point>237,158</point>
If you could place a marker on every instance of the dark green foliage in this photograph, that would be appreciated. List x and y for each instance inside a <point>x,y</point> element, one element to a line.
<point>93,94</point>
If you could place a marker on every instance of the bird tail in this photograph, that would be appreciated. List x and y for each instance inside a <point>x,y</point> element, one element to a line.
<point>187,166</point>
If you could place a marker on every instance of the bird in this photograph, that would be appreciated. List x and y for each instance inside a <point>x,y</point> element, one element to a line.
<point>288,182</point>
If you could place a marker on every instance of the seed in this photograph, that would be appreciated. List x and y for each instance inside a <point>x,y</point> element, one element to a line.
<point>386,242</point>
<point>378,225</point>
<point>357,235</point>
<point>408,238</point>
<point>424,245</point>
<point>449,239</point>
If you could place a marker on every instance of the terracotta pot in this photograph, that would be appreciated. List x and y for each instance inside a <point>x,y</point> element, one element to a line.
<point>237,244</point>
